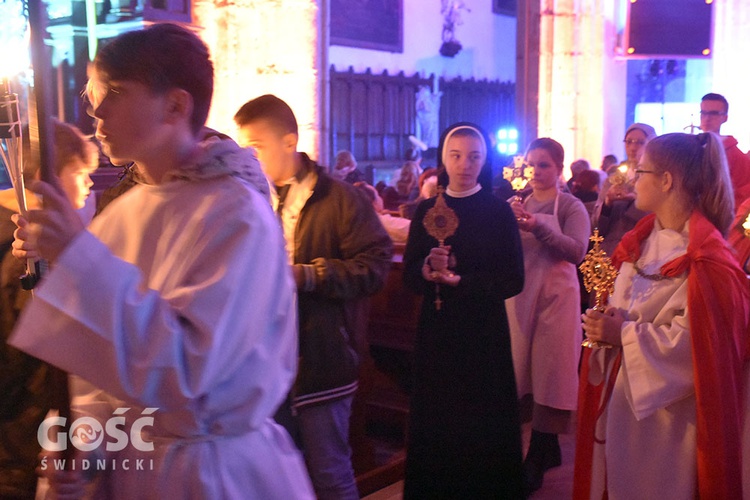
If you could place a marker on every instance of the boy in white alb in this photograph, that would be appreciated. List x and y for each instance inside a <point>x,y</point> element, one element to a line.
<point>177,297</point>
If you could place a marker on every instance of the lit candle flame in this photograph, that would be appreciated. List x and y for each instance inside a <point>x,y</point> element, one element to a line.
<point>14,39</point>
<point>620,175</point>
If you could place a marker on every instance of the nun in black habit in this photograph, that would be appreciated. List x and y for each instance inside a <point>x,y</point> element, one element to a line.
<point>464,438</point>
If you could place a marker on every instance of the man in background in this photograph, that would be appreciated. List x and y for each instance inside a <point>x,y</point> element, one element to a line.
<point>340,254</point>
<point>714,113</point>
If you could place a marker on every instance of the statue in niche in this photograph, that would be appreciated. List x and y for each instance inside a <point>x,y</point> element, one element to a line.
<point>428,108</point>
<point>451,11</point>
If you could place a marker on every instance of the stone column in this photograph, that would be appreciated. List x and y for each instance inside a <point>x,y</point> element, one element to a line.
<point>581,87</point>
<point>267,47</point>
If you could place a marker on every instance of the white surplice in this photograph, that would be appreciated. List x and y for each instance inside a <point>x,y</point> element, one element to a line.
<point>179,297</point>
<point>649,425</point>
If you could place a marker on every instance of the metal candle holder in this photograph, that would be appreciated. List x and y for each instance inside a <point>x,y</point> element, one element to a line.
<point>11,148</point>
<point>11,152</point>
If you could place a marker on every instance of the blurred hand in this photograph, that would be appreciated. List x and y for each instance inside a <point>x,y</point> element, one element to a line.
<point>526,220</point>
<point>449,279</point>
<point>604,326</point>
<point>45,233</point>
<point>22,248</point>
<point>64,484</point>
<point>438,258</point>
<point>618,193</point>
<point>436,267</point>
<point>517,206</point>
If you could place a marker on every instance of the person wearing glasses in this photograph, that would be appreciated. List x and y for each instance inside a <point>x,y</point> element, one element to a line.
<point>615,213</point>
<point>177,301</point>
<point>714,113</point>
<point>661,411</point>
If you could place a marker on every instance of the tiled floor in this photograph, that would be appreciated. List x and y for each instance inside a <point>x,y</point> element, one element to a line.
<point>558,482</point>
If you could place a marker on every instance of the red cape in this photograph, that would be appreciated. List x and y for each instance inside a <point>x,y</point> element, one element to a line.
<point>719,305</point>
<point>739,169</point>
<point>737,238</point>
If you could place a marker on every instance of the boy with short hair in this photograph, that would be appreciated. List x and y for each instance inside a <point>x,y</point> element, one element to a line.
<point>340,254</point>
<point>177,297</point>
<point>714,113</point>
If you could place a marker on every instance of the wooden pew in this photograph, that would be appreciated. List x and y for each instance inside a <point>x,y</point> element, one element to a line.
<point>383,398</point>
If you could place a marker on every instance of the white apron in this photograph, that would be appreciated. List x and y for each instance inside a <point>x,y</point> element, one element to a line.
<point>545,324</point>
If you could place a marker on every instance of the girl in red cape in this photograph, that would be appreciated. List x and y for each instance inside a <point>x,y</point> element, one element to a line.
<point>660,413</point>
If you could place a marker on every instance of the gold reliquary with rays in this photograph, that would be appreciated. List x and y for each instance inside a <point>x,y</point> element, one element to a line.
<point>598,276</point>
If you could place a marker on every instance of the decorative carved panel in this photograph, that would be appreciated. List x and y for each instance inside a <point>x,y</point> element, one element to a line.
<point>373,115</point>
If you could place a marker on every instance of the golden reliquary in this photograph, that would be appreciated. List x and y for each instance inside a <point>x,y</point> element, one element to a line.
<point>441,223</point>
<point>619,175</point>
<point>598,276</point>
<point>519,174</point>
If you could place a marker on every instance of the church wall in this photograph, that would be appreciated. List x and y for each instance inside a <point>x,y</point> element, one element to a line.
<point>488,40</point>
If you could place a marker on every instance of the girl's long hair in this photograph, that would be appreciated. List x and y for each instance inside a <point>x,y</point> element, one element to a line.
<point>699,165</point>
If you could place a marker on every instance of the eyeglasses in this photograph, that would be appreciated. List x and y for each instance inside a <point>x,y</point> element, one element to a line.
<point>634,141</point>
<point>713,113</point>
<point>88,105</point>
<point>639,172</point>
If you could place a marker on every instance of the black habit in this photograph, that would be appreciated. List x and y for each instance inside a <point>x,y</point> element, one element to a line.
<point>464,430</point>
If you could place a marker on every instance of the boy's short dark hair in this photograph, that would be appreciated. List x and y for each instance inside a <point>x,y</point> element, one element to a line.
<point>271,109</point>
<point>162,56</point>
<point>717,97</point>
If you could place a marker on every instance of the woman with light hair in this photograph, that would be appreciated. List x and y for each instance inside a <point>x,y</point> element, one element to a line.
<point>345,168</point>
<point>406,189</point>
<point>661,413</point>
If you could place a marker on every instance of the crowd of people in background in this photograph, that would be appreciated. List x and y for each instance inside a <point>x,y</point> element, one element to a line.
<point>226,284</point>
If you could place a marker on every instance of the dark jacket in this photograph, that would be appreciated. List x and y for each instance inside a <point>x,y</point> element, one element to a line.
<point>338,233</point>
